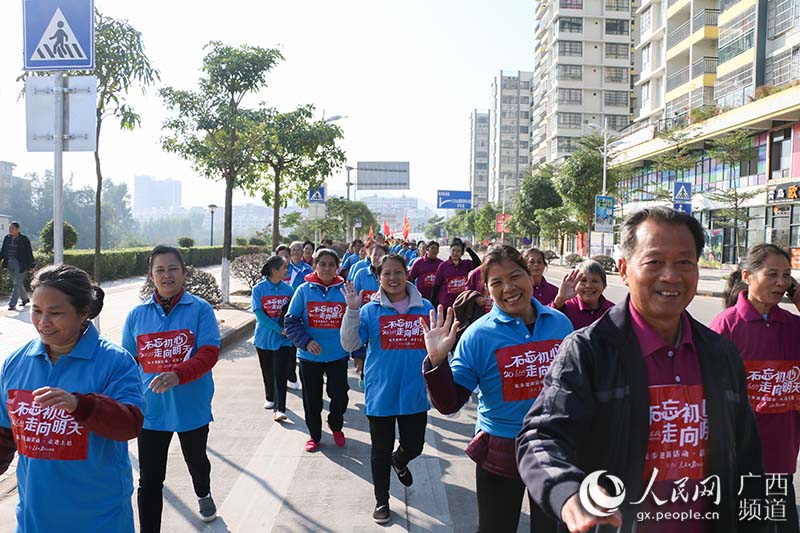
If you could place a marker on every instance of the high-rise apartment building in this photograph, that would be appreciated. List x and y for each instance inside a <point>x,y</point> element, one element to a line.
<point>479,153</point>
<point>510,134</point>
<point>12,189</point>
<point>582,70</point>
<point>151,195</point>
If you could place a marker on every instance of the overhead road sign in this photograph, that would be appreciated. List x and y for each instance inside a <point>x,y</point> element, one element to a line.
<point>317,196</point>
<point>58,34</point>
<point>453,199</point>
<point>382,175</point>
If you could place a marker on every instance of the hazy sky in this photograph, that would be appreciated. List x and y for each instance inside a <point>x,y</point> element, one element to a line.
<point>406,73</point>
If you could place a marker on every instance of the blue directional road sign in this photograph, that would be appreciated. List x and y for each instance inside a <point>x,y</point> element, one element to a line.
<point>58,34</point>
<point>317,196</point>
<point>454,199</point>
<point>682,196</point>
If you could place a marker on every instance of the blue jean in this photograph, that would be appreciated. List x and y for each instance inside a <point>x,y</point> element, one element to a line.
<point>17,283</point>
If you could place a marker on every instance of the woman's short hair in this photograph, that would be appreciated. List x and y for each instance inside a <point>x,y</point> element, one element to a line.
<point>272,264</point>
<point>161,250</point>
<point>322,252</point>
<point>83,293</point>
<point>391,257</point>
<point>532,251</point>
<point>498,254</point>
<point>590,266</point>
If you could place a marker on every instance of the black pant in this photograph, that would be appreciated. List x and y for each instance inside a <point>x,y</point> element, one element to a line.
<point>500,504</point>
<point>274,372</point>
<point>381,432</point>
<point>311,375</point>
<point>293,367</point>
<point>153,448</point>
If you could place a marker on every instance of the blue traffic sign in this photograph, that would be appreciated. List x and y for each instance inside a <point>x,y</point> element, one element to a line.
<point>58,34</point>
<point>317,196</point>
<point>686,208</point>
<point>454,200</point>
<point>682,193</point>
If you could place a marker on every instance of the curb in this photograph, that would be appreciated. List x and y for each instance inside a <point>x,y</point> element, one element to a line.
<point>233,335</point>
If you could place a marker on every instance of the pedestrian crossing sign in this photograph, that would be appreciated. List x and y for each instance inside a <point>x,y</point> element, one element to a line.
<point>683,193</point>
<point>58,34</point>
<point>317,196</point>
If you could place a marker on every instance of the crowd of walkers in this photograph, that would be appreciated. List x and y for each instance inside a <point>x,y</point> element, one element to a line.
<point>630,416</point>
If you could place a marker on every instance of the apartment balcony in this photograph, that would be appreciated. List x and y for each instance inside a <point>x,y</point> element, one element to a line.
<point>679,34</point>
<point>707,17</point>
<point>677,79</point>
<point>704,65</point>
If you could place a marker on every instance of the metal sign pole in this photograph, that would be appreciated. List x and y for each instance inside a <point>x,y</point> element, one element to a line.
<point>58,180</point>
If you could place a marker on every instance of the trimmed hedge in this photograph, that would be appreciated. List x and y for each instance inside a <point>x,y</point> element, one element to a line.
<point>128,262</point>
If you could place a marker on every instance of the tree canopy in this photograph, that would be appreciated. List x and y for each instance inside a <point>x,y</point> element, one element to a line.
<point>536,192</point>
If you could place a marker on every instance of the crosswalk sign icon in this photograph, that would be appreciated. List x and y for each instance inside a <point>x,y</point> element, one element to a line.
<point>682,193</point>
<point>58,34</point>
<point>316,196</point>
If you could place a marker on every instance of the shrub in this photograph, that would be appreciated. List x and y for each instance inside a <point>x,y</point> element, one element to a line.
<point>46,236</point>
<point>256,241</point>
<point>185,242</point>
<point>240,241</point>
<point>550,255</point>
<point>572,259</point>
<point>607,262</point>
<point>248,268</point>
<point>699,114</point>
<point>198,282</point>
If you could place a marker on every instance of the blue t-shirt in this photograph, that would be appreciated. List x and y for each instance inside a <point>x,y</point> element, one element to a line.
<point>349,261</point>
<point>500,355</point>
<point>297,273</point>
<point>393,381</point>
<point>358,265</point>
<point>161,340</point>
<point>267,301</point>
<point>366,284</point>
<point>321,310</point>
<point>91,492</point>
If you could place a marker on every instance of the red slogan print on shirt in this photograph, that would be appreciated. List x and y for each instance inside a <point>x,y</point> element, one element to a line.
<point>429,279</point>
<point>456,285</point>
<point>45,432</point>
<point>523,367</point>
<point>163,351</point>
<point>325,315</point>
<point>272,305</point>
<point>773,386</point>
<point>366,296</point>
<point>402,332</point>
<point>678,432</point>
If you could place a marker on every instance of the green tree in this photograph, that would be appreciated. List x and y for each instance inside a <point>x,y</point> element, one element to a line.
<point>485,221</point>
<point>342,213</point>
<point>210,127</point>
<point>580,178</point>
<point>680,157</point>
<point>46,236</point>
<point>536,192</point>
<point>462,223</point>
<point>295,154</point>
<point>433,227</point>
<point>556,223</point>
<point>118,220</point>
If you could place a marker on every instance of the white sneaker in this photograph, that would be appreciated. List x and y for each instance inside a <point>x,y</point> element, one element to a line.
<point>295,385</point>
<point>269,405</point>
<point>280,416</point>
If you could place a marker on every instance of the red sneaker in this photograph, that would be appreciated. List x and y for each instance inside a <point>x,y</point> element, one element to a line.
<point>338,438</point>
<point>312,446</point>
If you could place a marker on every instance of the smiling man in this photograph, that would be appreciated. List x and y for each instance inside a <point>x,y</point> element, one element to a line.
<point>650,396</point>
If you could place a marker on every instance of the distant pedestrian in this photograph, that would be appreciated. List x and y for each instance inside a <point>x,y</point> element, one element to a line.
<point>766,336</point>
<point>537,263</point>
<point>313,323</point>
<point>17,257</point>
<point>451,276</point>
<point>308,253</point>
<point>270,302</point>
<point>580,296</point>
<point>175,337</point>
<point>423,271</point>
<point>394,388</point>
<point>71,401</point>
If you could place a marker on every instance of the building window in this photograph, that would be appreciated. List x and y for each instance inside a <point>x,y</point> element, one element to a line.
<point>616,98</point>
<point>570,24</point>
<point>524,100</point>
<point>616,27</point>
<point>618,5</point>
<point>570,96</point>
<point>733,49</point>
<point>567,144</point>
<point>617,122</point>
<point>646,21</point>
<point>570,4</point>
<point>569,120</point>
<point>509,99</point>
<point>617,50</point>
<point>523,129</point>
<point>570,72</point>
<point>781,16</point>
<point>570,48</point>
<point>523,160</point>
<point>524,85</point>
<point>646,56</point>
<point>617,74</point>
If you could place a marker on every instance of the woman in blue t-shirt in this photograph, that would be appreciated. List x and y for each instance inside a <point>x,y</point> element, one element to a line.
<point>506,354</point>
<point>70,402</point>
<point>394,389</point>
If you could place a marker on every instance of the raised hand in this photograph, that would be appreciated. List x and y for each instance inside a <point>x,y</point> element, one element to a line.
<point>440,337</point>
<point>350,295</point>
<point>567,289</point>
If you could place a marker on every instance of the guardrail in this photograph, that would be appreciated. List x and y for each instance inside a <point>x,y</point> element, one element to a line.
<point>679,34</point>
<point>678,79</point>
<point>704,65</point>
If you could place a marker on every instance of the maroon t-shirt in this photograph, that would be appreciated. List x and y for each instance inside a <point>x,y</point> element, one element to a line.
<point>423,274</point>
<point>580,315</point>
<point>545,292</point>
<point>452,280</point>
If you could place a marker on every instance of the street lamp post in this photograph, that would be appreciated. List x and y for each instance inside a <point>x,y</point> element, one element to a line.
<point>604,129</point>
<point>212,208</point>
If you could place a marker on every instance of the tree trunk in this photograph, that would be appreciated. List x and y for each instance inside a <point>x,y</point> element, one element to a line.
<point>98,195</point>
<point>276,211</point>
<point>227,239</point>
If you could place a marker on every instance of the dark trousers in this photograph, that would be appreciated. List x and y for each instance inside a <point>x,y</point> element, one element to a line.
<point>500,504</point>
<point>311,375</point>
<point>274,372</point>
<point>153,449</point>
<point>381,432</point>
<point>293,367</point>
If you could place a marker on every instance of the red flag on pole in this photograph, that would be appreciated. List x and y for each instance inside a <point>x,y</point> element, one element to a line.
<point>371,233</point>
<point>406,227</point>
<point>386,231</point>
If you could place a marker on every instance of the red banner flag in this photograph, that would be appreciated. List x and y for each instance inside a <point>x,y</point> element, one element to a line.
<point>406,227</point>
<point>371,233</point>
<point>386,231</point>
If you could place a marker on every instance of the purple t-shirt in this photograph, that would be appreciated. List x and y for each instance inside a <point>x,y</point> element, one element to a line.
<point>771,357</point>
<point>678,443</point>
<point>545,292</point>
<point>423,274</point>
<point>580,315</point>
<point>452,280</point>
